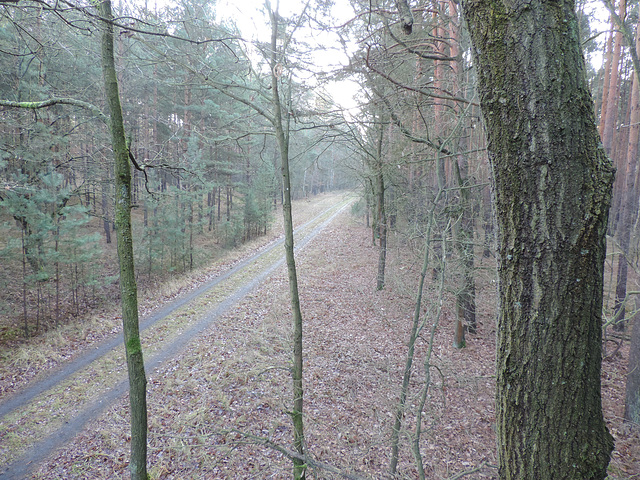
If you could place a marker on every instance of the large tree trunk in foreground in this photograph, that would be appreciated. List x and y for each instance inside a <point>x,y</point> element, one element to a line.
<point>128,288</point>
<point>552,194</point>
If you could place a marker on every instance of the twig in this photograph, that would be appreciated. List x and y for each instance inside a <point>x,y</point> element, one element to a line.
<point>55,101</point>
<point>294,455</point>
<point>469,472</point>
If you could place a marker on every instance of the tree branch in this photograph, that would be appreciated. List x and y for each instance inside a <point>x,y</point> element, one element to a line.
<point>294,455</point>
<point>406,17</point>
<point>418,90</point>
<point>628,37</point>
<point>55,101</point>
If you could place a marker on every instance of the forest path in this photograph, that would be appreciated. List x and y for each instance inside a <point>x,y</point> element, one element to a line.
<point>49,412</point>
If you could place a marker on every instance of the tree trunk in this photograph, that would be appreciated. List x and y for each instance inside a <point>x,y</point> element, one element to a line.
<point>611,113</point>
<point>128,289</point>
<point>632,396</point>
<point>466,293</point>
<point>416,328</point>
<point>105,213</point>
<point>608,53</point>
<point>552,194</point>
<point>282,137</point>
<point>619,157</point>
<point>629,199</point>
<point>381,211</point>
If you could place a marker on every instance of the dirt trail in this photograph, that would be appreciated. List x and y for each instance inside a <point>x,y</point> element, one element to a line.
<point>252,271</point>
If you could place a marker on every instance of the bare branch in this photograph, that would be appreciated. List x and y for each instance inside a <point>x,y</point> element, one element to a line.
<point>417,90</point>
<point>55,101</point>
<point>468,472</point>
<point>88,12</point>
<point>628,37</point>
<point>294,455</point>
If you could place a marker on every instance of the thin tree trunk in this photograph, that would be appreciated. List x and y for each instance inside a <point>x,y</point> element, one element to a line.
<point>282,137</point>
<point>416,328</point>
<point>128,288</point>
<point>24,286</point>
<point>608,54</point>
<point>57,267</point>
<point>105,213</point>
<point>619,156</point>
<point>466,294</point>
<point>614,88</point>
<point>381,216</point>
<point>629,199</point>
<point>427,372</point>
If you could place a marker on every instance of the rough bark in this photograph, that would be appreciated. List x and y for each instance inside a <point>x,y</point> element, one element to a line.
<point>552,194</point>
<point>128,288</point>
<point>487,222</point>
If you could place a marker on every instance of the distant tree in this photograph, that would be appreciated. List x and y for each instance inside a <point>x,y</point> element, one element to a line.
<point>38,168</point>
<point>422,82</point>
<point>552,194</point>
<point>628,197</point>
<point>632,391</point>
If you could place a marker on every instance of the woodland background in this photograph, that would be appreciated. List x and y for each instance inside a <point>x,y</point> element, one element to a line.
<point>193,86</point>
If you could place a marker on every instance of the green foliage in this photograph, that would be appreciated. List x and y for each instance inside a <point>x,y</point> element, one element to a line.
<point>232,232</point>
<point>49,233</point>
<point>358,208</point>
<point>214,173</point>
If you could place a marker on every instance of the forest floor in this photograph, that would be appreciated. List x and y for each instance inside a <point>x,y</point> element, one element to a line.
<point>213,407</point>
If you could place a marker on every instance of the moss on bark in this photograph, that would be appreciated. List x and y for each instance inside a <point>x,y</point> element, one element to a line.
<point>552,184</point>
<point>128,287</point>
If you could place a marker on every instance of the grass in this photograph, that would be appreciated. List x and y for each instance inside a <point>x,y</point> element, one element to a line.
<point>24,427</point>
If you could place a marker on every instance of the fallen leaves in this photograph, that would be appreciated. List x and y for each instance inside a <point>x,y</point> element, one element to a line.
<point>234,377</point>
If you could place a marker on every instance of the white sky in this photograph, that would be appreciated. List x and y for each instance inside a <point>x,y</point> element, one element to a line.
<point>253,23</point>
<point>600,23</point>
<point>250,18</point>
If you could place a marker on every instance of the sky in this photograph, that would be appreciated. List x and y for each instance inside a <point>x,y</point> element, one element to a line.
<point>600,23</point>
<point>250,18</point>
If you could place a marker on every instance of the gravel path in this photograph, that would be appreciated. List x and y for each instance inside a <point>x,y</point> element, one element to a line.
<point>20,467</point>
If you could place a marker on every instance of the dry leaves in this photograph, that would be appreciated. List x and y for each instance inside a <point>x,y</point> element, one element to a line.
<point>233,380</point>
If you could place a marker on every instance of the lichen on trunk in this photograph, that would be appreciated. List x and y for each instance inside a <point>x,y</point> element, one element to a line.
<point>552,184</point>
<point>128,287</point>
